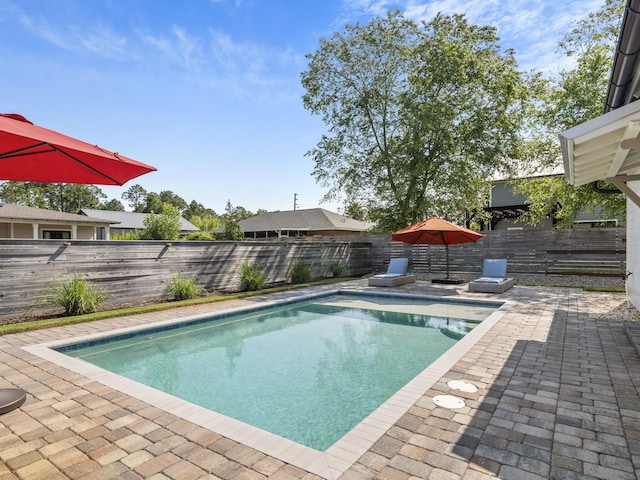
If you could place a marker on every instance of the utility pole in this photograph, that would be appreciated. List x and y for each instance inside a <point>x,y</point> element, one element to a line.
<point>295,201</point>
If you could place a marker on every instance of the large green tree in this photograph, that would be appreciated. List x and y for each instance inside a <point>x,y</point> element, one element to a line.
<point>575,96</point>
<point>63,197</point>
<point>419,115</point>
<point>136,196</point>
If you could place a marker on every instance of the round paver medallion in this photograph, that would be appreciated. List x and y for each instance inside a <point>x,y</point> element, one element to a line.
<point>463,386</point>
<point>448,401</point>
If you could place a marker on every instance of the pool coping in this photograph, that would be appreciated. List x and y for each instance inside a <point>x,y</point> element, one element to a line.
<point>328,464</point>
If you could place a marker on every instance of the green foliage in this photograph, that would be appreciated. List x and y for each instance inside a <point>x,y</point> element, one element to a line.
<point>575,96</point>
<point>199,236</point>
<point>419,116</point>
<point>136,235</point>
<point>165,226</point>
<point>251,277</point>
<point>300,272</point>
<point>62,197</point>
<point>76,296</point>
<point>196,209</point>
<point>182,287</point>
<point>206,223</point>
<point>337,269</point>
<point>232,229</point>
<point>113,205</point>
<point>136,195</point>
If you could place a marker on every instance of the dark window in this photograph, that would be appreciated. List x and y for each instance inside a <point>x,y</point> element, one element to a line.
<point>56,235</point>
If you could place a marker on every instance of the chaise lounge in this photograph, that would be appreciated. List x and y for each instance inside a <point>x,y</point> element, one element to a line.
<point>396,274</point>
<point>493,280</point>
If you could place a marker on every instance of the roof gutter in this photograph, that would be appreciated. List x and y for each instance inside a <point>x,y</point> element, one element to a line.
<point>624,81</point>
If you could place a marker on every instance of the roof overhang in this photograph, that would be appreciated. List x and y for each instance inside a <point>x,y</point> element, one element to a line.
<point>605,148</point>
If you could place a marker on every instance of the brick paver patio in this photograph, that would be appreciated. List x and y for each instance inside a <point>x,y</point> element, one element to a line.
<point>558,397</point>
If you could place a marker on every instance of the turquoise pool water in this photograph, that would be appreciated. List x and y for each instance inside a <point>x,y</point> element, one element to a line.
<point>307,371</point>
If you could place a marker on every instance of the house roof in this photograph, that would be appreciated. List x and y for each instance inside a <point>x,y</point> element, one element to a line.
<point>313,219</point>
<point>10,211</point>
<point>132,220</point>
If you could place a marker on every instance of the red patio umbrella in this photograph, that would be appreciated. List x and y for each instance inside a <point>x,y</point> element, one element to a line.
<point>34,154</point>
<point>436,231</point>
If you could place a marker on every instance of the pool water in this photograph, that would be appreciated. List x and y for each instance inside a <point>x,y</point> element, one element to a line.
<point>308,371</point>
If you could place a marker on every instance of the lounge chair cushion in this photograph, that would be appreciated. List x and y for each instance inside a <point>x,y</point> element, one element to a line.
<point>493,278</point>
<point>396,274</point>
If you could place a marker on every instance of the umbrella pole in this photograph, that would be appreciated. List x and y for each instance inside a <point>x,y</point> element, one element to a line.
<point>446,246</point>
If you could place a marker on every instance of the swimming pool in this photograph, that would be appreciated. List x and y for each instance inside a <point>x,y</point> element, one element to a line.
<point>361,339</point>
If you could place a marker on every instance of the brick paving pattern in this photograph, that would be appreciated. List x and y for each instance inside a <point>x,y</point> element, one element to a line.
<point>558,397</point>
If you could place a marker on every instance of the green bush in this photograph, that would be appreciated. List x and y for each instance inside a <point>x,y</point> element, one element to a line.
<point>182,287</point>
<point>251,277</point>
<point>76,296</point>
<point>135,235</point>
<point>337,269</point>
<point>200,236</point>
<point>300,272</point>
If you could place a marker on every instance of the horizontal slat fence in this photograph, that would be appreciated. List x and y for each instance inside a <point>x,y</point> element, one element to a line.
<point>594,251</point>
<point>135,271</point>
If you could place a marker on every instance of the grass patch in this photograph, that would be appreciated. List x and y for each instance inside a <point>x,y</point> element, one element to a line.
<point>604,289</point>
<point>156,307</point>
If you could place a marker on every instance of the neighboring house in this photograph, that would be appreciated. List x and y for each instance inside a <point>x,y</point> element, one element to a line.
<point>608,147</point>
<point>505,206</point>
<point>123,223</point>
<point>20,222</point>
<point>301,223</point>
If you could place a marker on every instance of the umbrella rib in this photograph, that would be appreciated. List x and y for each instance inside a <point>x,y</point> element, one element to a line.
<point>22,152</point>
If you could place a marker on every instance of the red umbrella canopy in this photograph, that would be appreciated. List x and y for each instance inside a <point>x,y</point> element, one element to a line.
<point>30,153</point>
<point>436,231</point>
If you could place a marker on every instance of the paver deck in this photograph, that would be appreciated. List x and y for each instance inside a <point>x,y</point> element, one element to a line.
<point>558,397</point>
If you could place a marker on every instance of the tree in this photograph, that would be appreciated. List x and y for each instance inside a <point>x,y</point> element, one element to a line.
<point>163,226</point>
<point>136,196</point>
<point>28,194</point>
<point>113,205</point>
<point>356,211</point>
<point>419,116</point>
<point>197,209</point>
<point>71,197</point>
<point>206,223</point>
<point>232,229</point>
<point>63,197</point>
<point>577,95</point>
<point>167,196</point>
<point>153,204</point>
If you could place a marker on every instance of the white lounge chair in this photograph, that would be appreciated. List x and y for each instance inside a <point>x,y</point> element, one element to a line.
<point>493,280</point>
<point>396,274</point>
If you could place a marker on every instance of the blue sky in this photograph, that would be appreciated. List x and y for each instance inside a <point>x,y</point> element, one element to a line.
<point>208,91</point>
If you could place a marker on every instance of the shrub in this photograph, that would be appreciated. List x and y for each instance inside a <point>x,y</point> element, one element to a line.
<point>182,287</point>
<point>135,235</point>
<point>337,269</point>
<point>251,277</point>
<point>200,236</point>
<point>165,226</point>
<point>300,272</point>
<point>76,296</point>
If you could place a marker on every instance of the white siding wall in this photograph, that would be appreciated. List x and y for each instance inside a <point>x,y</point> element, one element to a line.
<point>633,248</point>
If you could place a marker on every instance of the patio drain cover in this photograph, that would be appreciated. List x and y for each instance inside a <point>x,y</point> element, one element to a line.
<point>463,386</point>
<point>448,401</point>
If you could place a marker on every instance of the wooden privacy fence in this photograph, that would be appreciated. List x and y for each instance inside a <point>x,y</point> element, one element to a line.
<point>134,271</point>
<point>588,251</point>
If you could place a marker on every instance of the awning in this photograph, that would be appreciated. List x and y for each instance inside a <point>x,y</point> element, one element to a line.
<point>605,148</point>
